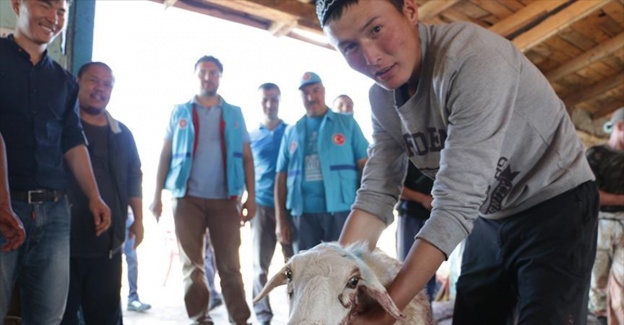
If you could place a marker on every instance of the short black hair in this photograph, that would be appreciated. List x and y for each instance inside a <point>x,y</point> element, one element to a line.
<point>335,12</point>
<point>86,66</point>
<point>210,58</point>
<point>268,86</point>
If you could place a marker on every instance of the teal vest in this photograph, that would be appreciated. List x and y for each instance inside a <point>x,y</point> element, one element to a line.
<point>338,163</point>
<point>184,137</point>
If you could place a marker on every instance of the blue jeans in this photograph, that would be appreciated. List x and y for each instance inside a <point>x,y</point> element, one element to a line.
<point>311,229</point>
<point>131,261</point>
<point>40,265</point>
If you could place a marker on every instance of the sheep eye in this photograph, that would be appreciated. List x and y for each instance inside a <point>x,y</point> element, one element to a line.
<point>353,282</point>
<point>288,274</point>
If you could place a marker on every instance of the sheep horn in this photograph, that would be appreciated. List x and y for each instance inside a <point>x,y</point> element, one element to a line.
<point>277,280</point>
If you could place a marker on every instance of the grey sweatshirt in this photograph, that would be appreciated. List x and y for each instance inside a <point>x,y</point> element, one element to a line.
<point>484,122</point>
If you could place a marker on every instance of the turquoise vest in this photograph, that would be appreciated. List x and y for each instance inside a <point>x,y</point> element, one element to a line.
<point>338,160</point>
<point>183,140</point>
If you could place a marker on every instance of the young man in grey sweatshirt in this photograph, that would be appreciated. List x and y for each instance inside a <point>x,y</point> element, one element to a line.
<point>470,110</point>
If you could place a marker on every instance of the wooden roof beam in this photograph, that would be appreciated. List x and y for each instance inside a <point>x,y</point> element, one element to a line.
<point>433,7</point>
<point>596,54</point>
<point>594,90</point>
<point>552,25</point>
<point>254,9</point>
<point>608,108</point>
<point>525,15</point>
<point>281,28</point>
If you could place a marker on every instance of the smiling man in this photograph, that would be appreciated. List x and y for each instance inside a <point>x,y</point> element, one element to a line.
<point>472,112</point>
<point>40,125</point>
<point>95,261</point>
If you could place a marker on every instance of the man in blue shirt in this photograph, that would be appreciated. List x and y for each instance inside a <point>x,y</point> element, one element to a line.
<point>40,125</point>
<point>265,143</point>
<point>318,171</point>
<point>206,163</point>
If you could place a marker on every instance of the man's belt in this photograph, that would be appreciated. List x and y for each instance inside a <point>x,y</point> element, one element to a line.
<point>37,196</point>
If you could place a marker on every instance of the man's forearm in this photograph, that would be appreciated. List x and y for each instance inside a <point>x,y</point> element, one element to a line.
<point>280,193</point>
<point>611,199</point>
<point>361,226</point>
<point>5,196</point>
<point>136,204</point>
<point>163,168</point>
<point>421,264</point>
<point>80,164</point>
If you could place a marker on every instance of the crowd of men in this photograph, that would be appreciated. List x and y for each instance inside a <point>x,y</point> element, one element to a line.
<point>479,154</point>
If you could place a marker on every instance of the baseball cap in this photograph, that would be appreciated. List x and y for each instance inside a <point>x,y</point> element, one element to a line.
<point>617,116</point>
<point>309,78</point>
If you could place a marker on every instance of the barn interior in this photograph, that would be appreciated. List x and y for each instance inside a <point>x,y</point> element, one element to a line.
<point>577,44</point>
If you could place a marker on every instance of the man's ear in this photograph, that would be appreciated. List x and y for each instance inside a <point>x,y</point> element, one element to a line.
<point>410,11</point>
<point>15,4</point>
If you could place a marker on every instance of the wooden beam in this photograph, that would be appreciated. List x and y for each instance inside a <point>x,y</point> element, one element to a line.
<point>254,9</point>
<point>608,108</point>
<point>525,15</point>
<point>596,54</point>
<point>594,90</point>
<point>434,7</point>
<point>281,28</point>
<point>552,25</point>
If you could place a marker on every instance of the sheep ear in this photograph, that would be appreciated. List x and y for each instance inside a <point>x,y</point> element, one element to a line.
<point>374,289</point>
<point>277,280</point>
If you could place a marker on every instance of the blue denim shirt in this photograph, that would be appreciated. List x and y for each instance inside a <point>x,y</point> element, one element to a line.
<point>39,118</point>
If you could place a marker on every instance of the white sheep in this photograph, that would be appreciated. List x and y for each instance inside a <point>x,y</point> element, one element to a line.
<point>329,283</point>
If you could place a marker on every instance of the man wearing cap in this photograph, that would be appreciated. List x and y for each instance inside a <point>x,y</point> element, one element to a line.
<point>606,296</point>
<point>467,108</point>
<point>318,170</point>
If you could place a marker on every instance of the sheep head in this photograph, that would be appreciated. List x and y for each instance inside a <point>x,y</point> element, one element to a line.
<point>328,284</point>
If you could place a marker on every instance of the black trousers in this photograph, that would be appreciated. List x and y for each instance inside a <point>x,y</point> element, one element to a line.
<point>94,287</point>
<point>533,267</point>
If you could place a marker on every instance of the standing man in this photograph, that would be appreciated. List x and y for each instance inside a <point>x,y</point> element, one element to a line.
<point>95,263</point>
<point>343,104</point>
<point>470,110</point>
<point>265,144</point>
<point>318,171</point>
<point>206,163</point>
<point>12,232</point>
<point>606,297</point>
<point>40,125</point>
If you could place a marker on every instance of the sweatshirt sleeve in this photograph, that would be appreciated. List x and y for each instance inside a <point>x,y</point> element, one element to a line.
<point>382,179</point>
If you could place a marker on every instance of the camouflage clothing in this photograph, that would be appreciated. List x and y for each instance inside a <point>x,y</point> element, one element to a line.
<point>606,296</point>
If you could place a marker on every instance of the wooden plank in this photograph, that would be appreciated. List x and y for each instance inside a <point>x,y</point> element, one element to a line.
<point>615,10</point>
<point>589,27</point>
<point>494,8</point>
<point>434,7</point>
<point>609,106</point>
<point>513,5</point>
<point>576,11</point>
<point>454,15</point>
<point>470,10</point>
<point>522,17</point>
<point>593,55</point>
<point>595,90</point>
